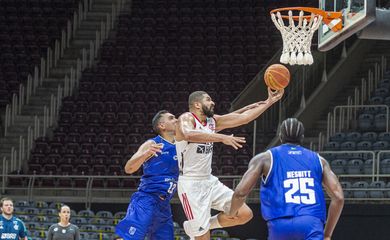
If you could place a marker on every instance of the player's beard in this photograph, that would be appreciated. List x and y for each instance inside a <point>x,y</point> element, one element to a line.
<point>209,112</point>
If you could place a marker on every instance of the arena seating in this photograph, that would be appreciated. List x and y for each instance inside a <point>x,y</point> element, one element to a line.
<point>161,52</point>
<point>369,134</point>
<point>28,28</point>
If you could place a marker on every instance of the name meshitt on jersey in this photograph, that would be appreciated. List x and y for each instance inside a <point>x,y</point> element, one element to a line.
<point>296,175</point>
<point>11,229</point>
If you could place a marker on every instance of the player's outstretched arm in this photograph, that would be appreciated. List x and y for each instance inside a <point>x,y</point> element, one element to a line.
<point>335,192</point>
<point>147,150</point>
<point>185,130</point>
<point>247,113</point>
<point>248,182</point>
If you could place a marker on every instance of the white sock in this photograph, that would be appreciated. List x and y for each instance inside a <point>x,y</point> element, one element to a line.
<point>214,223</point>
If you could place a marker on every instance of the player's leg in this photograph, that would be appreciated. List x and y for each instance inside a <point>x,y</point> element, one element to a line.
<point>221,199</point>
<point>195,197</point>
<point>138,219</point>
<point>162,227</point>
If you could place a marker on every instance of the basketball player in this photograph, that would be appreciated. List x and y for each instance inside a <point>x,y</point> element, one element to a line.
<point>63,229</point>
<point>292,199</point>
<point>11,227</point>
<point>198,189</point>
<point>149,212</point>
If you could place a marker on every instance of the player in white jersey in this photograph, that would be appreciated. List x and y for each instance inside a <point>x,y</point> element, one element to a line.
<point>200,191</point>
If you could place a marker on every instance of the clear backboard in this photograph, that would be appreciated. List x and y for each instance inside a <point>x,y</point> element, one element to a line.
<point>357,14</point>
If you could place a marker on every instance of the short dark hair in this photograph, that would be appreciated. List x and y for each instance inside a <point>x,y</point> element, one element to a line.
<point>5,199</point>
<point>195,97</point>
<point>292,131</point>
<point>156,120</point>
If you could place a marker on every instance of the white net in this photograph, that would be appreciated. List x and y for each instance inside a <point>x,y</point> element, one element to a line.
<point>297,38</point>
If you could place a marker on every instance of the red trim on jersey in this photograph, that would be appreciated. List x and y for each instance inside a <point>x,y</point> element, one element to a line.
<point>193,114</point>
<point>187,207</point>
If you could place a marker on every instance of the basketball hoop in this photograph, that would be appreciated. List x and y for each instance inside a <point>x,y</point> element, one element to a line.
<point>297,37</point>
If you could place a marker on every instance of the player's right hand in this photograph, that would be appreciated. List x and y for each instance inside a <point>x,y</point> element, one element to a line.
<point>153,149</point>
<point>233,141</point>
<point>274,96</point>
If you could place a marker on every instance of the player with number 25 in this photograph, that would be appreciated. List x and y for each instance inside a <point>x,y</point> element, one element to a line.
<point>291,195</point>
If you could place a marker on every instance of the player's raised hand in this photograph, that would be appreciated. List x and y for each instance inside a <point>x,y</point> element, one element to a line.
<point>274,96</point>
<point>153,149</point>
<point>235,142</point>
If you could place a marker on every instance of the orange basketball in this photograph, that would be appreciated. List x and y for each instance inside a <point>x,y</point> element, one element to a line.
<point>277,76</point>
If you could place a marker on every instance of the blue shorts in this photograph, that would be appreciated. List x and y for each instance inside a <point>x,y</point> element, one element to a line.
<point>147,216</point>
<point>296,228</point>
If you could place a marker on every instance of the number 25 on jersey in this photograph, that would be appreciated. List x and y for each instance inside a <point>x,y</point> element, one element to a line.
<point>299,191</point>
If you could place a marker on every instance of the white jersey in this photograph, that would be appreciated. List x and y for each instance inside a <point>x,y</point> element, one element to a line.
<point>195,158</point>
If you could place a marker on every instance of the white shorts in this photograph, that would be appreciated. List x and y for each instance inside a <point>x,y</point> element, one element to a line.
<point>198,197</point>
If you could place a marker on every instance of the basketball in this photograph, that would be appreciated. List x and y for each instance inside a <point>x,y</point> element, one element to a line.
<point>277,76</point>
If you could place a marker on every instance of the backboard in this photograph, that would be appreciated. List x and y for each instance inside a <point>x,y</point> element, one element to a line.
<point>357,14</point>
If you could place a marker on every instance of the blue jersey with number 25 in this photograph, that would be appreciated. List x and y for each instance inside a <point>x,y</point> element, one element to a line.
<point>162,171</point>
<point>293,186</point>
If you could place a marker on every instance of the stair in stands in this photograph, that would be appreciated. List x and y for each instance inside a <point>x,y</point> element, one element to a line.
<point>85,33</point>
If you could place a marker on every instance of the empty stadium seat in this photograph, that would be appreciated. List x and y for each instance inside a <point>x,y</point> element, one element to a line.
<point>379,193</point>
<point>360,193</point>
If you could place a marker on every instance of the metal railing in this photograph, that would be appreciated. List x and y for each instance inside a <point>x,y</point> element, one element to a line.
<point>346,113</point>
<point>70,83</point>
<point>34,189</point>
<point>378,167</point>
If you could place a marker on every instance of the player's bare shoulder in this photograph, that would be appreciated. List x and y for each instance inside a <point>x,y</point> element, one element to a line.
<point>186,122</point>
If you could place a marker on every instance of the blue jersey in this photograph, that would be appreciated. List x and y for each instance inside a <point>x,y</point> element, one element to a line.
<point>12,229</point>
<point>161,172</point>
<point>293,186</point>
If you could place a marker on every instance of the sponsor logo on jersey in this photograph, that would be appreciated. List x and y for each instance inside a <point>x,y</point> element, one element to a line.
<point>204,149</point>
<point>294,152</point>
<point>132,230</point>
<point>8,236</point>
<point>55,229</point>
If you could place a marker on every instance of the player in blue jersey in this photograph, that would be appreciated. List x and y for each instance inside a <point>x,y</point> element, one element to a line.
<point>292,199</point>
<point>149,212</point>
<point>11,227</point>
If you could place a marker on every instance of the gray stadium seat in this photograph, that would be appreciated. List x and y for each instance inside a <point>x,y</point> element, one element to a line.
<point>367,168</point>
<point>360,193</point>
<point>355,166</point>
<point>338,166</point>
<point>384,166</point>
<point>104,214</point>
<point>377,193</point>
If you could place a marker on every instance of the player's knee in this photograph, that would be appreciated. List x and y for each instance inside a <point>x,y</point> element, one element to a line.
<point>245,214</point>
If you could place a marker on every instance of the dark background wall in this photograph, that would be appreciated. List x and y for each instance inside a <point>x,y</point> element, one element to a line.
<point>358,221</point>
